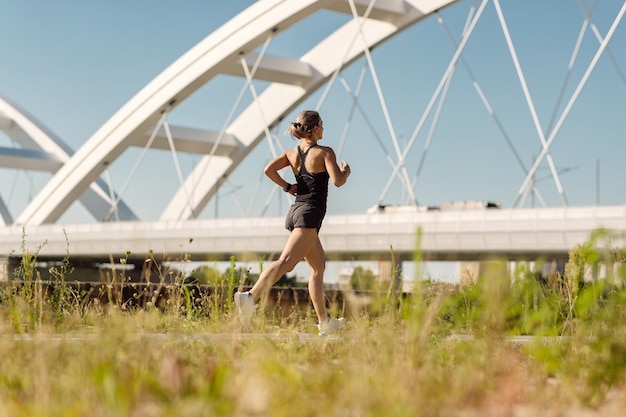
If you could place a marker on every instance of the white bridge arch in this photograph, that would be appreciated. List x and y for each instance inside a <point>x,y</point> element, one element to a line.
<point>220,53</point>
<point>237,48</point>
<point>41,150</point>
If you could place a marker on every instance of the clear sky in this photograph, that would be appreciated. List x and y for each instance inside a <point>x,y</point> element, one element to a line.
<point>72,64</point>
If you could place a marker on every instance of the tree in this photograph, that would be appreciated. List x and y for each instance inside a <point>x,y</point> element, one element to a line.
<point>363,279</point>
<point>204,275</point>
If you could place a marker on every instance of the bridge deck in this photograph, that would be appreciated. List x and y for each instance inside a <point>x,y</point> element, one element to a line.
<point>449,235</point>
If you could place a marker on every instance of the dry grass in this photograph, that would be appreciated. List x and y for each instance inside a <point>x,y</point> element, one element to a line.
<point>144,364</point>
<point>396,357</point>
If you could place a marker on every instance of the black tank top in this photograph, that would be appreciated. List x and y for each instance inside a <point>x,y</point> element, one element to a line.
<point>312,187</point>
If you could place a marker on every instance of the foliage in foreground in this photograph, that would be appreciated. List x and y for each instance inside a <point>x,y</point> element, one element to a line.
<point>443,350</point>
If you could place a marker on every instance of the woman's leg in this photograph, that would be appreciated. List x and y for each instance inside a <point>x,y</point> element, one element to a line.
<point>316,259</point>
<point>298,245</point>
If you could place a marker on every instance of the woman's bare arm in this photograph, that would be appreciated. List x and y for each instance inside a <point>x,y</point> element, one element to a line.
<point>275,165</point>
<point>338,173</point>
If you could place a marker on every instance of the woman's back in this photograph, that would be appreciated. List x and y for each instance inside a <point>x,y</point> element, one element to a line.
<point>312,177</point>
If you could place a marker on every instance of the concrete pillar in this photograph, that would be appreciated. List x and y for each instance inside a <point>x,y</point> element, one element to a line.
<point>4,268</point>
<point>469,272</point>
<point>384,271</point>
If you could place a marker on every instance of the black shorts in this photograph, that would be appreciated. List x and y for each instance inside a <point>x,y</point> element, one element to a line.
<point>304,215</point>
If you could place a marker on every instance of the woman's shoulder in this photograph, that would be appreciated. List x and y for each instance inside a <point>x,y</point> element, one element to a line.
<point>325,149</point>
<point>291,155</point>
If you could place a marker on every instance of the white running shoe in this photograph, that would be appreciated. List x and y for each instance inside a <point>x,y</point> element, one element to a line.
<point>331,325</point>
<point>245,308</point>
